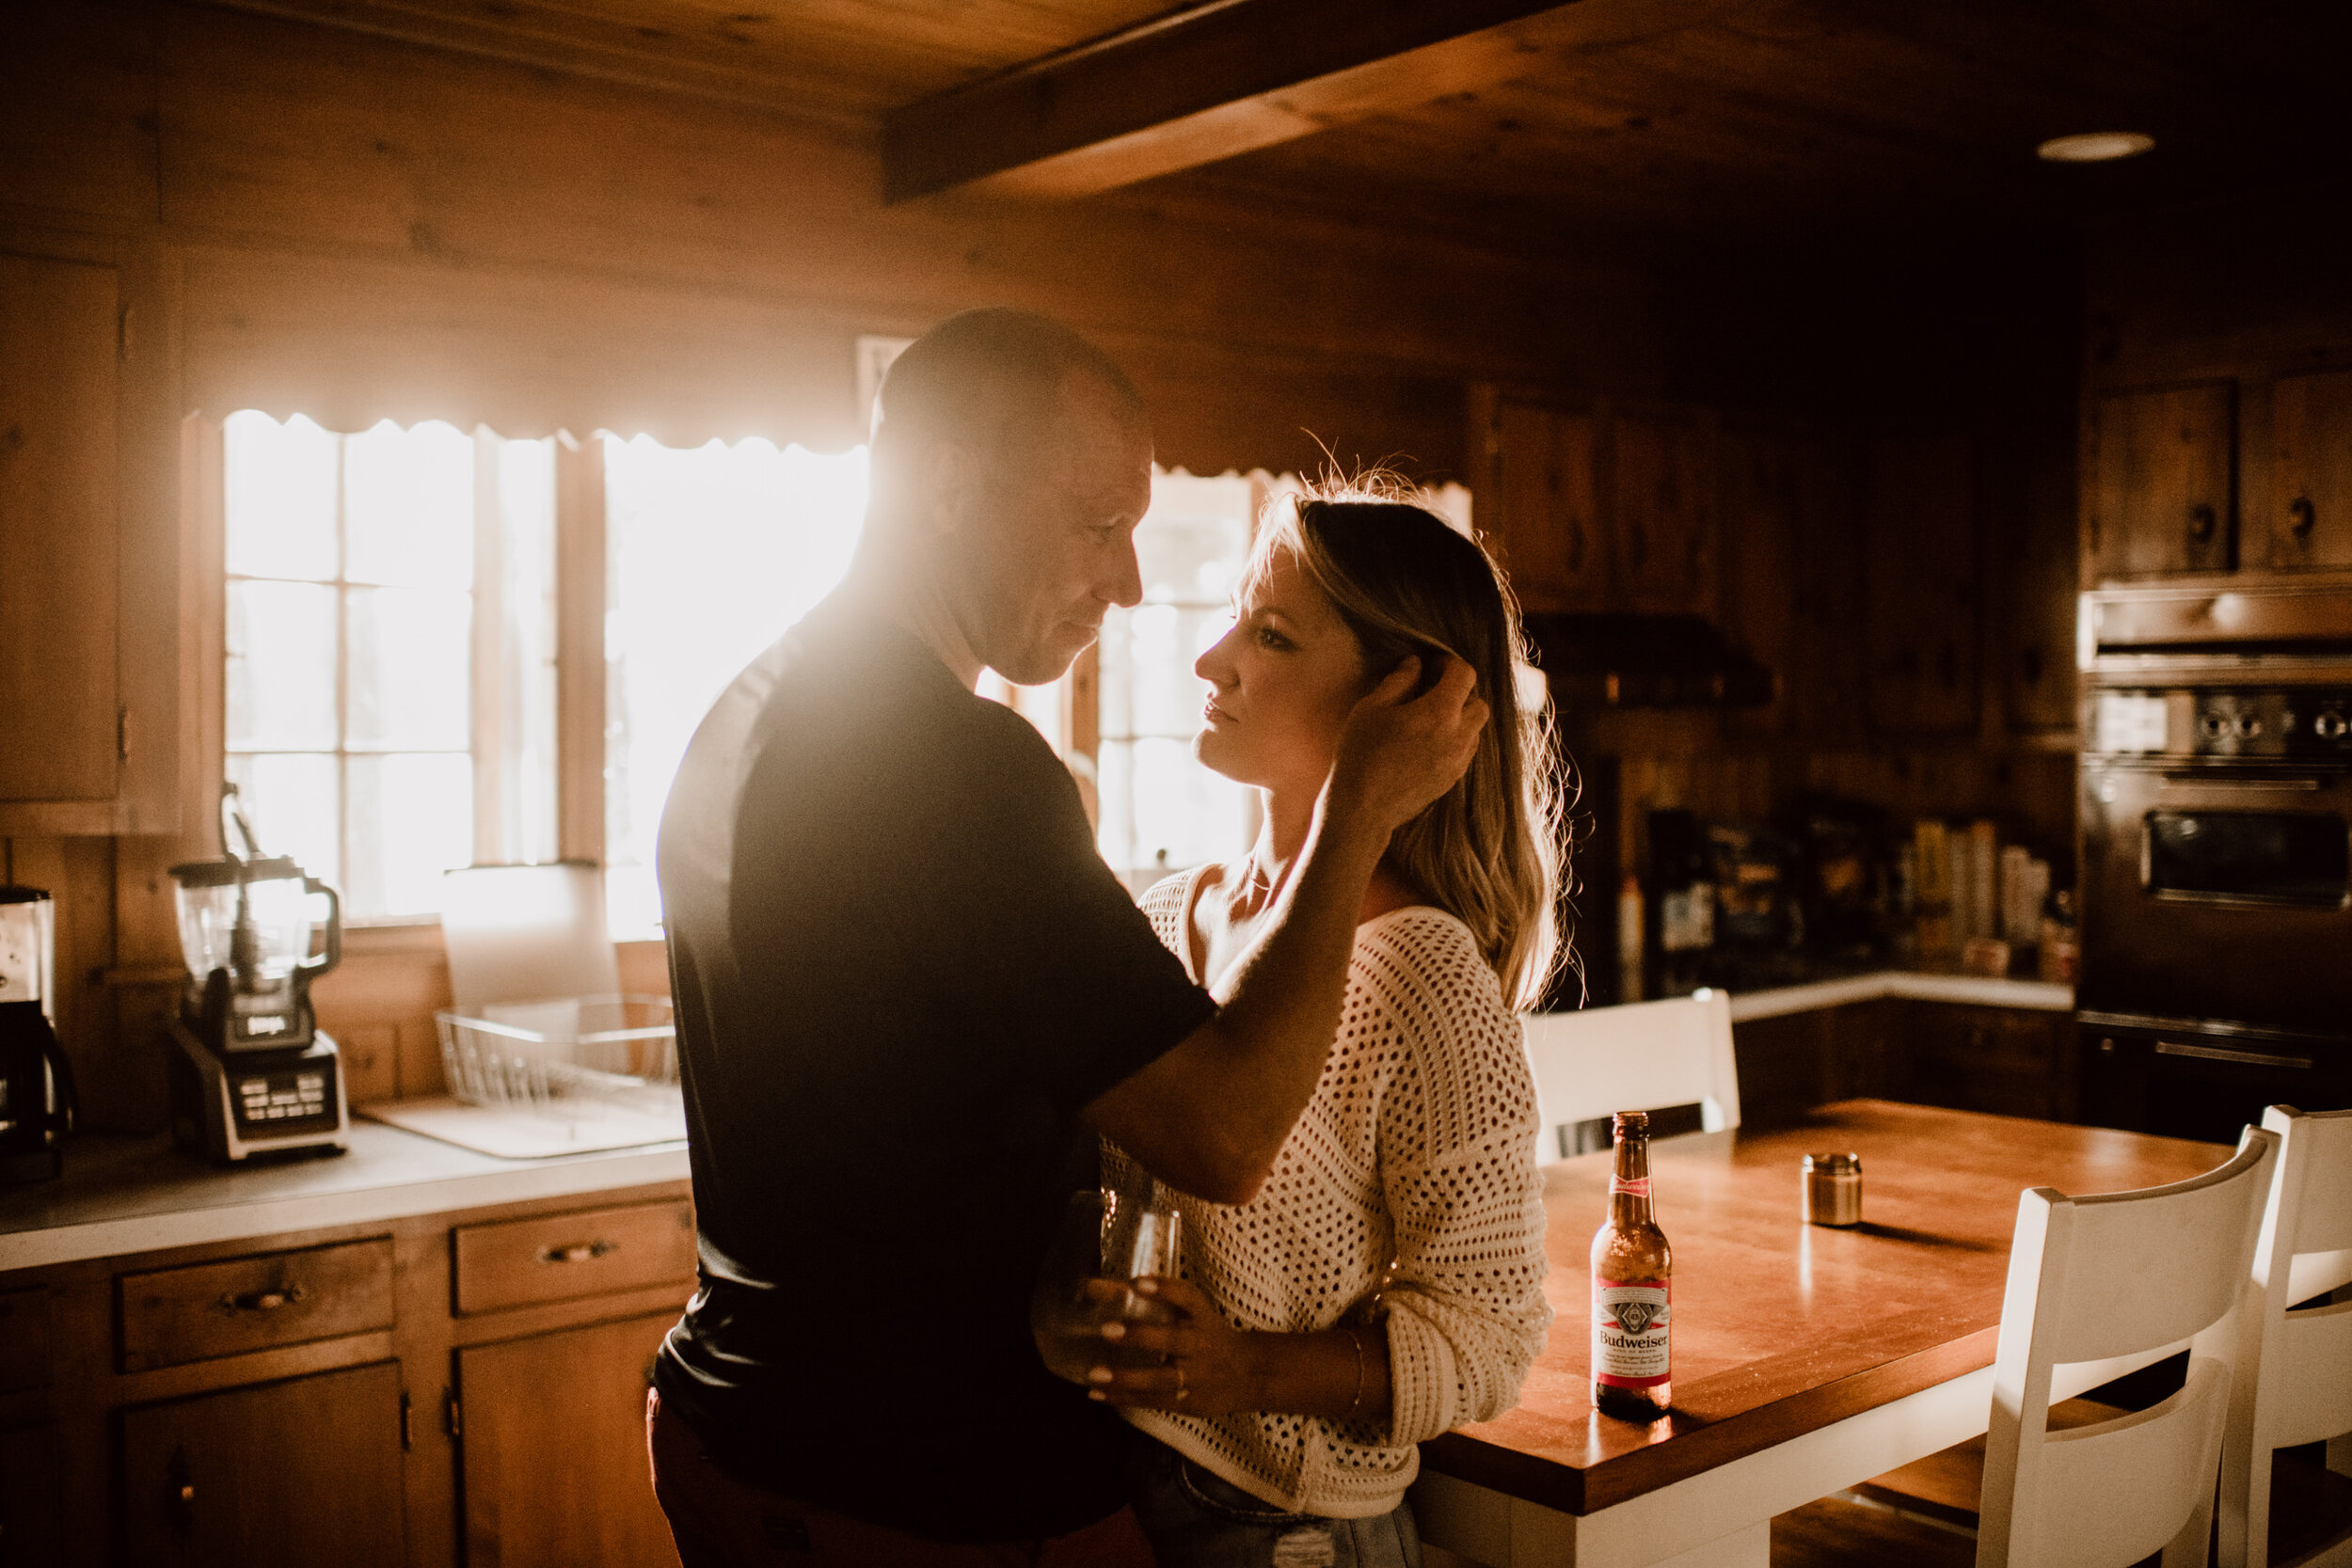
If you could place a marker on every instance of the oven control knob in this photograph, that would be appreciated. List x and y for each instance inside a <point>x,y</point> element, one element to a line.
<point>2214,726</point>
<point>2246,726</point>
<point>2331,726</point>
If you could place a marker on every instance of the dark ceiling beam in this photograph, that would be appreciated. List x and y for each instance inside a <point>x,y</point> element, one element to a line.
<point>1230,77</point>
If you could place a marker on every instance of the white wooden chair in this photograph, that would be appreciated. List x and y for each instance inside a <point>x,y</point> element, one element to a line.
<point>2107,1278</point>
<point>2295,1382</point>
<point>1643,1056</point>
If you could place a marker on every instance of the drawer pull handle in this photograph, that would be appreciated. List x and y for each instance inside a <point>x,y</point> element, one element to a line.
<point>263,1301</point>
<point>578,1252</point>
<point>2222,1054</point>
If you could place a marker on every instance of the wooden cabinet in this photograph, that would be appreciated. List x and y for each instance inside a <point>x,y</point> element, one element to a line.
<point>552,1430</point>
<point>1662,509</point>
<point>32,1515</point>
<point>2310,517</point>
<point>89,623</point>
<point>2162,483</point>
<point>1921,598</point>
<point>1598,509</point>
<point>429,1391</point>
<point>1540,500</point>
<point>2007,1061</point>
<point>289,1475</point>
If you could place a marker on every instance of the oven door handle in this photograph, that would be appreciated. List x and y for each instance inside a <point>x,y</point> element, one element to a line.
<point>2304,782</point>
<point>2222,1054</point>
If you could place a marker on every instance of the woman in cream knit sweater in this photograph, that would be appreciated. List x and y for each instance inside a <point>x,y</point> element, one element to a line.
<point>1385,1284</point>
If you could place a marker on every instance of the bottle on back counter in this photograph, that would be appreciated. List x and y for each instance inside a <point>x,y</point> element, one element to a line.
<point>1632,1287</point>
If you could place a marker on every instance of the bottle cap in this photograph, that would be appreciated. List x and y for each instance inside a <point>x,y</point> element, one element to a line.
<point>1630,1122</point>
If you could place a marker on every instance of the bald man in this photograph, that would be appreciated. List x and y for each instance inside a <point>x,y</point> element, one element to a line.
<point>911,995</point>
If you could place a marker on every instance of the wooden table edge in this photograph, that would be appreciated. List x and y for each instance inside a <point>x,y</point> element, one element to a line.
<point>1698,1449</point>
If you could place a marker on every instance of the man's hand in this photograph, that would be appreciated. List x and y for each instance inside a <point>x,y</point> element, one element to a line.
<point>1400,752</point>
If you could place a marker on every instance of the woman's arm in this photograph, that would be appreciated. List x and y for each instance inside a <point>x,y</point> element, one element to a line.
<point>1341,1373</point>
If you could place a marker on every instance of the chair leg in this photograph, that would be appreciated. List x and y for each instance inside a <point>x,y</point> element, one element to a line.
<point>2340,1455</point>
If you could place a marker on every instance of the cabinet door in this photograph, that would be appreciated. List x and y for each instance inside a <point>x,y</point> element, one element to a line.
<point>58,531</point>
<point>32,1527</point>
<point>2007,1061</point>
<point>298,1474</point>
<point>1921,598</point>
<point>1544,469</point>
<point>2162,481</point>
<point>2311,484</point>
<point>1662,510</point>
<point>554,1443</point>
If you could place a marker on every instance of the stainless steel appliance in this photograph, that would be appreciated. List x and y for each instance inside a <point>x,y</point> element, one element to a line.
<point>2217,823</point>
<point>37,1103</point>
<point>251,1070</point>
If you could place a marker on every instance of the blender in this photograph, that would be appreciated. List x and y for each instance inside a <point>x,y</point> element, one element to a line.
<point>36,1085</point>
<point>251,1071</point>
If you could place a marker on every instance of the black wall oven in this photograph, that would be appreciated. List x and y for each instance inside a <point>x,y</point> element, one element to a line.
<point>2216,855</point>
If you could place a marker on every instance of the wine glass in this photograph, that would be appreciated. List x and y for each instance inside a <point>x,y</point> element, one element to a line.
<point>1106,1240</point>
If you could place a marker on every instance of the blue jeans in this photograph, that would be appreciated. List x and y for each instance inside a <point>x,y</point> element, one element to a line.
<point>1198,1520</point>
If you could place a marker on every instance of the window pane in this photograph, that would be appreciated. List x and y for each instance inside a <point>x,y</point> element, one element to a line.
<point>411,820</point>
<point>409,504</point>
<point>412,659</point>
<point>293,804</point>
<point>280,497</point>
<point>714,552</point>
<point>1192,547</point>
<point>282,666</point>
<point>525,739</point>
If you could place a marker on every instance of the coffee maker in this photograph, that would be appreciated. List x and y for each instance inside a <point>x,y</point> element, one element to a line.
<point>36,1101</point>
<point>251,1071</point>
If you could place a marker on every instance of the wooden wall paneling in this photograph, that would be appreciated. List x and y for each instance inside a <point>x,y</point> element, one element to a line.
<point>2308,520</point>
<point>1922,596</point>
<point>1542,506</point>
<point>77,110</point>
<point>2030,626</point>
<point>2162,495</point>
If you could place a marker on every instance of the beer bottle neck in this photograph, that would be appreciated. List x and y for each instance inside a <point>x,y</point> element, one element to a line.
<point>1628,1184</point>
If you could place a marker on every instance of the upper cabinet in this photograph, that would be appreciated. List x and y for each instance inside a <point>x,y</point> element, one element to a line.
<point>2309,515</point>
<point>1598,509</point>
<point>2160,497</point>
<point>89,556</point>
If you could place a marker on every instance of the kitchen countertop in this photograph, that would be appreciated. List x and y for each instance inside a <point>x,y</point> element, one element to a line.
<point>124,1195</point>
<point>1912,985</point>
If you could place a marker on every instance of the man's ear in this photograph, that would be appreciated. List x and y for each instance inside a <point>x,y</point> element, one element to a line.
<point>951,485</point>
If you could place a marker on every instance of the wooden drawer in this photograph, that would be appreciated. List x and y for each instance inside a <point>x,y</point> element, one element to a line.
<point>168,1317</point>
<point>24,1339</point>
<point>591,1252</point>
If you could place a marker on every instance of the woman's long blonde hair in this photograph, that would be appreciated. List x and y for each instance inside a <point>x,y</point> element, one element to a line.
<point>1490,851</point>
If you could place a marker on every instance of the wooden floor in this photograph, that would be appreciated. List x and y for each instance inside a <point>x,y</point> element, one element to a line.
<point>1833,1532</point>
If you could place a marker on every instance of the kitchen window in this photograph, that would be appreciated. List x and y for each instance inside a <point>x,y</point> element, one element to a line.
<point>390,651</point>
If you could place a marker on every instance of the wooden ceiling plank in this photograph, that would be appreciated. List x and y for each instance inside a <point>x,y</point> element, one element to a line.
<point>1231,77</point>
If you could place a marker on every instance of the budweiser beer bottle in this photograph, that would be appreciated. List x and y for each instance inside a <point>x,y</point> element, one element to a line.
<point>1632,1286</point>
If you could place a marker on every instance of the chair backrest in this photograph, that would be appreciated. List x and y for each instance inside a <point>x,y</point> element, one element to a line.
<point>2099,1279</point>
<point>1641,1056</point>
<point>526,933</point>
<point>2294,1368</point>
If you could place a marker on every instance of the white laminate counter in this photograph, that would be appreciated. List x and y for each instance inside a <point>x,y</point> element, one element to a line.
<point>1973,989</point>
<point>123,1195</point>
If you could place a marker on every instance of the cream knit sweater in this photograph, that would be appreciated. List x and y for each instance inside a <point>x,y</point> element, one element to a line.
<point>1407,1193</point>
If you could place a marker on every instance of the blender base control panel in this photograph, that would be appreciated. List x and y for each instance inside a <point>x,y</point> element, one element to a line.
<point>293,1100</point>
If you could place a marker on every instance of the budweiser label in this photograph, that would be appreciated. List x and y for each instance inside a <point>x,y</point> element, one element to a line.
<point>1637,1187</point>
<point>1629,1325</point>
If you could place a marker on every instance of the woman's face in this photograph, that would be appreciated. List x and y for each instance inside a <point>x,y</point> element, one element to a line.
<point>1283,683</point>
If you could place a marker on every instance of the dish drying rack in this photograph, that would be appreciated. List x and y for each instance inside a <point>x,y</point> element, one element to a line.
<point>573,1059</point>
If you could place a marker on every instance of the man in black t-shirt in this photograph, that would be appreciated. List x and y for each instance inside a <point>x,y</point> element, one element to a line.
<point>911,995</point>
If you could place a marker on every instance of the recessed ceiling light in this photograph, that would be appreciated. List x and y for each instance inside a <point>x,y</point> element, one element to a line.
<point>2096,146</point>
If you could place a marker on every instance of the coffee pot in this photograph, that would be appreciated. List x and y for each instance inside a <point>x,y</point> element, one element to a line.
<point>37,1100</point>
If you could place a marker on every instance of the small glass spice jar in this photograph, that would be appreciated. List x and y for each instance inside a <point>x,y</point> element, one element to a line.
<point>1832,1188</point>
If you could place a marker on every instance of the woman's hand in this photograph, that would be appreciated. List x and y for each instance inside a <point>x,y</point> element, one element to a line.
<point>1210,1366</point>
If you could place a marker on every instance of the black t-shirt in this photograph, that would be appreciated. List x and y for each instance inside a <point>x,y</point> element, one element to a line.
<point>900,971</point>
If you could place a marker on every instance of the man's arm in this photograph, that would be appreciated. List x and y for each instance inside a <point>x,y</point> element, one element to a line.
<point>1211,1114</point>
